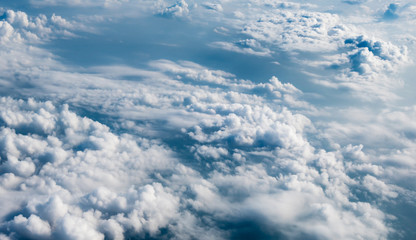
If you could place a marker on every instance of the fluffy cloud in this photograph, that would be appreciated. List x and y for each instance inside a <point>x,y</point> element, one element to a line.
<point>248,46</point>
<point>189,151</point>
<point>32,227</point>
<point>178,9</point>
<point>321,42</point>
<point>298,30</point>
<point>65,161</point>
<point>117,185</point>
<point>38,28</point>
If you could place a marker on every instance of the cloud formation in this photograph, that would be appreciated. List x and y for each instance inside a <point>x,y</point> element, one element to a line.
<point>178,9</point>
<point>177,149</point>
<point>319,42</point>
<point>248,46</point>
<point>79,172</point>
<point>391,12</point>
<point>17,25</point>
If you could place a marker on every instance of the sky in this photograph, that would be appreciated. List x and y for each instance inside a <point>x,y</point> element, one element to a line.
<point>222,119</point>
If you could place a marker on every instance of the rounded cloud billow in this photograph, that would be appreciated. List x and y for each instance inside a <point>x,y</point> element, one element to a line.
<point>77,172</point>
<point>207,120</point>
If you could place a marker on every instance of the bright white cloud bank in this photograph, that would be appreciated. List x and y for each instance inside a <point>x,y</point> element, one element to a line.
<point>78,173</point>
<point>178,150</point>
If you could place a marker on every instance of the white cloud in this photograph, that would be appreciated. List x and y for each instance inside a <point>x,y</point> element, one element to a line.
<point>248,46</point>
<point>324,44</point>
<point>213,6</point>
<point>211,152</point>
<point>192,70</point>
<point>32,227</point>
<point>18,18</point>
<point>179,9</point>
<point>298,30</point>
<point>18,26</point>
<point>72,227</point>
<point>76,148</point>
<point>204,150</point>
<point>379,187</point>
<point>75,163</point>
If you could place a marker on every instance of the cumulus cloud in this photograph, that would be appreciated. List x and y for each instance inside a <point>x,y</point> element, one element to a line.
<point>193,71</point>
<point>178,9</point>
<point>32,227</point>
<point>135,187</point>
<point>69,150</point>
<point>248,46</point>
<point>39,28</point>
<point>322,42</point>
<point>386,53</point>
<point>189,151</point>
<point>369,68</point>
<point>298,30</point>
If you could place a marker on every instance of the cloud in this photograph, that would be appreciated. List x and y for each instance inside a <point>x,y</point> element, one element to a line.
<point>282,4</point>
<point>19,26</point>
<point>140,193</point>
<point>175,149</point>
<point>248,46</point>
<point>7,32</point>
<point>321,42</point>
<point>18,18</point>
<point>391,12</point>
<point>192,71</point>
<point>53,154</point>
<point>369,68</point>
<point>32,227</point>
<point>379,187</point>
<point>179,9</point>
<point>213,6</point>
<point>73,227</point>
<point>371,51</point>
<point>353,2</point>
<point>298,30</point>
<point>77,3</point>
<point>211,152</point>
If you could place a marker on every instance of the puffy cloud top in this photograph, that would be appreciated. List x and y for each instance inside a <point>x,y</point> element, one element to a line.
<point>157,147</point>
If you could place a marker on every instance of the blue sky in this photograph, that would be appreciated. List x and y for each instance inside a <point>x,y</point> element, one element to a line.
<point>207,119</point>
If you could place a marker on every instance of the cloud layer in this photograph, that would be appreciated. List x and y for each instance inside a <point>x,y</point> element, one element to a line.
<point>79,173</point>
<point>178,149</point>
